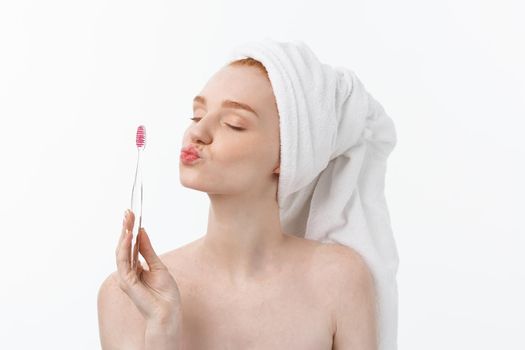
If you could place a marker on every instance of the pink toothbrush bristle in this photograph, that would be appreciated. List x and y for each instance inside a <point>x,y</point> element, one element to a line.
<point>141,136</point>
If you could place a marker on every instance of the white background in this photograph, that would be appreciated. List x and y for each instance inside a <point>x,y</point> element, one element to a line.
<point>78,77</point>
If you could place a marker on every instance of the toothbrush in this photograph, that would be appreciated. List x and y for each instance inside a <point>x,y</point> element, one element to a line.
<point>137,193</point>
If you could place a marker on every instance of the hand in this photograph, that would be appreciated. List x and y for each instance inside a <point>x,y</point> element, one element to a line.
<point>153,291</point>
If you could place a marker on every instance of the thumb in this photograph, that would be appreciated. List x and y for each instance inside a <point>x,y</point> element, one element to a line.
<point>147,251</point>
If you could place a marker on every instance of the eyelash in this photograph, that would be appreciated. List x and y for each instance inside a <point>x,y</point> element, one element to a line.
<point>233,127</point>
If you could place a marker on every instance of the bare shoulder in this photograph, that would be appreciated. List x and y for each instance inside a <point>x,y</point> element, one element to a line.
<point>349,271</point>
<point>353,297</point>
<point>178,260</point>
<point>344,258</point>
<point>334,264</point>
<point>121,325</point>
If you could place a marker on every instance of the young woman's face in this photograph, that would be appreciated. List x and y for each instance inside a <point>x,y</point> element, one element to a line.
<point>234,161</point>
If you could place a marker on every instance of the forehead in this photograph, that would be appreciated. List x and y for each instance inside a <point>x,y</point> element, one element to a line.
<point>239,83</point>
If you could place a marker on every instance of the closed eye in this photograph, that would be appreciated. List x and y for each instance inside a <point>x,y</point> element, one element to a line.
<point>231,126</point>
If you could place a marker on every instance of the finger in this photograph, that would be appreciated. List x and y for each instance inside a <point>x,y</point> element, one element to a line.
<point>125,224</point>
<point>122,233</point>
<point>140,267</point>
<point>135,257</point>
<point>131,284</point>
<point>130,220</point>
<point>124,247</point>
<point>123,260</point>
<point>147,251</point>
<point>128,278</point>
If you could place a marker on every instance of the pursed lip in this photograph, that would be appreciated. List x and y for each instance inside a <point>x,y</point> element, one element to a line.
<point>191,150</point>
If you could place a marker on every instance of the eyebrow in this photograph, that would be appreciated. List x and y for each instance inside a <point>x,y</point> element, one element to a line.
<point>227,104</point>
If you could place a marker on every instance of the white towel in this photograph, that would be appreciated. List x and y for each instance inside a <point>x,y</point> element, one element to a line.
<point>335,140</point>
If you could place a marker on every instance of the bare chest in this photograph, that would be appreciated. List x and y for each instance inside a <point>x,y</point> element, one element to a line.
<point>274,315</point>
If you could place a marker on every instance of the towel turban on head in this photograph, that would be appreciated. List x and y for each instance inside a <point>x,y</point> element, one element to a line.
<point>335,139</point>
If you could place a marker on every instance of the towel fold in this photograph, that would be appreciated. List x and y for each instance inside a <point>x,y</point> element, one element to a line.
<point>335,139</point>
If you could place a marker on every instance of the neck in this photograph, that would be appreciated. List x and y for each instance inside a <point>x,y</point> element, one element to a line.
<point>244,237</point>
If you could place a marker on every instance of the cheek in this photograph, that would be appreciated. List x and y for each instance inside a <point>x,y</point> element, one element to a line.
<point>243,161</point>
<point>237,149</point>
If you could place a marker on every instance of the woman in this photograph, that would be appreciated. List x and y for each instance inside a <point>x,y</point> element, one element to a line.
<point>245,284</point>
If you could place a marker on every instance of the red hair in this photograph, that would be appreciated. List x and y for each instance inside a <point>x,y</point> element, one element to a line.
<point>250,62</point>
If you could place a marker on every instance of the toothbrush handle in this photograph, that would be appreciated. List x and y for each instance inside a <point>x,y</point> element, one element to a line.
<point>136,207</point>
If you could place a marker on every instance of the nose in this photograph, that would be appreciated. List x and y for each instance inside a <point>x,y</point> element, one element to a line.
<point>199,133</point>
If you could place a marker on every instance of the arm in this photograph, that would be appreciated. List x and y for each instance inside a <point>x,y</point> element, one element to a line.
<point>355,308</point>
<point>164,335</point>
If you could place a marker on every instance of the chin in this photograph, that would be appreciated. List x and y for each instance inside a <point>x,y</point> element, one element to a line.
<point>193,183</point>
